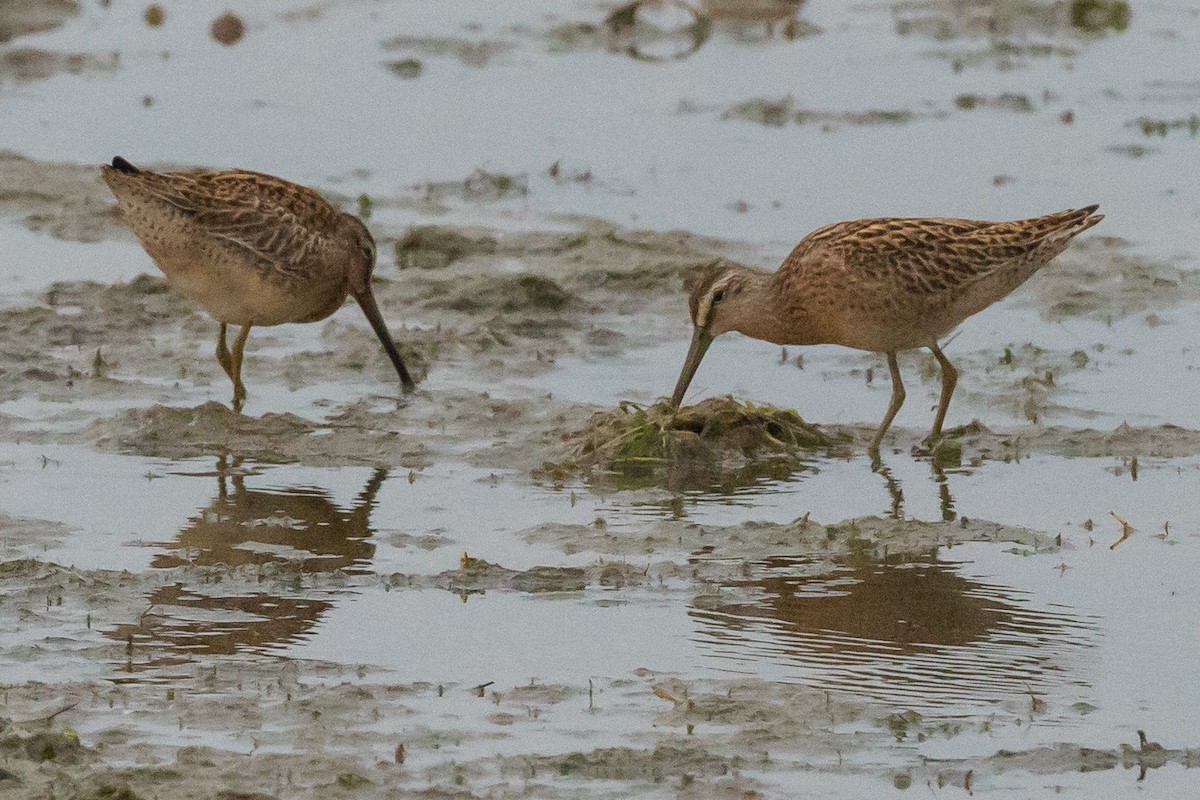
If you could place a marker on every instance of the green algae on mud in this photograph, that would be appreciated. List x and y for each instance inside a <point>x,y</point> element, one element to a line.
<point>696,446</point>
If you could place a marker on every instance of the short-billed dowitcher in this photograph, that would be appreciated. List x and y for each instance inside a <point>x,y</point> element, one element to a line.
<point>252,249</point>
<point>882,285</point>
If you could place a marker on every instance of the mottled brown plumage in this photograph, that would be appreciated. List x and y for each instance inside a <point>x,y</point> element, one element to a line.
<point>252,249</point>
<point>883,285</point>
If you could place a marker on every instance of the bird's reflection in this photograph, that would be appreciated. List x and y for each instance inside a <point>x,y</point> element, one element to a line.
<point>757,20</point>
<point>895,490</point>
<point>298,524</point>
<point>892,628</point>
<point>669,30</point>
<point>204,620</point>
<point>300,529</point>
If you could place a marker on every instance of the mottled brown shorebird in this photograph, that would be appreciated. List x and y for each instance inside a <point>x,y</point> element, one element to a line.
<point>882,285</point>
<point>252,249</point>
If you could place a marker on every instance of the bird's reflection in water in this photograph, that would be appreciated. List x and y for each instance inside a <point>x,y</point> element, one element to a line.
<point>199,621</point>
<point>299,524</point>
<point>895,490</point>
<point>670,30</point>
<point>758,20</point>
<point>896,629</point>
<point>300,530</point>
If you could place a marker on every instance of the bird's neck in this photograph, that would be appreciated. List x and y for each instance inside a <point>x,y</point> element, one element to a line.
<point>768,316</point>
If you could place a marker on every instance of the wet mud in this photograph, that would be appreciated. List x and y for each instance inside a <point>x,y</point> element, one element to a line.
<point>67,201</point>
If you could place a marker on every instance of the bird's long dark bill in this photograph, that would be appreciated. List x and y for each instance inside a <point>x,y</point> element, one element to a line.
<point>366,299</point>
<point>700,342</point>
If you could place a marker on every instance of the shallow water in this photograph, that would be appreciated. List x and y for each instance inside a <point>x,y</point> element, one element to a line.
<point>952,633</point>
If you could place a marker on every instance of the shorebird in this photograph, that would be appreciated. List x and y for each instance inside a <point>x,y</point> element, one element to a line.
<point>252,249</point>
<point>882,285</point>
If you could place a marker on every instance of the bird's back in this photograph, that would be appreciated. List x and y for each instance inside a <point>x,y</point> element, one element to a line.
<point>894,283</point>
<point>236,239</point>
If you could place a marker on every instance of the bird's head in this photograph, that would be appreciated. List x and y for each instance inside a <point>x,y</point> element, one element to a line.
<point>717,299</point>
<point>362,264</point>
<point>361,255</point>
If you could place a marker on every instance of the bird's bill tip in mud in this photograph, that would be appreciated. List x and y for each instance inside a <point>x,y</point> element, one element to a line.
<point>701,339</point>
<point>366,300</point>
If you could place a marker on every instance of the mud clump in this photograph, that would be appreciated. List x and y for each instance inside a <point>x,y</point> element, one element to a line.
<point>228,29</point>
<point>526,293</point>
<point>659,431</point>
<point>471,53</point>
<point>42,746</point>
<point>435,246</point>
<point>698,446</point>
<point>1100,16</point>
<point>21,17</point>
<point>406,68</point>
<point>439,246</point>
<point>777,113</point>
<point>1006,101</point>
<point>474,575</point>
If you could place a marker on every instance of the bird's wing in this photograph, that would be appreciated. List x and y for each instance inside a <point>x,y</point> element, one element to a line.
<point>927,256</point>
<point>281,223</point>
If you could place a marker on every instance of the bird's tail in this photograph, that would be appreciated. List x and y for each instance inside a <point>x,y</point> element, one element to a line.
<point>121,165</point>
<point>1068,224</point>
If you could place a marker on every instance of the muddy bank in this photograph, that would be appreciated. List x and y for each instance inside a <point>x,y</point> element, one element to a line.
<point>1103,279</point>
<point>67,201</point>
<point>22,17</point>
<point>29,63</point>
<point>869,536</point>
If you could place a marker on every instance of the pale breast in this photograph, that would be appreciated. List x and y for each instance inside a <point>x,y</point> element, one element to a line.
<point>231,283</point>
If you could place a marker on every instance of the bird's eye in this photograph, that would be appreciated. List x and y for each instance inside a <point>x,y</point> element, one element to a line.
<point>718,295</point>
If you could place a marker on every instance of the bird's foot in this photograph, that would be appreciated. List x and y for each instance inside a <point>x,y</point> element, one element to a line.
<point>239,396</point>
<point>945,448</point>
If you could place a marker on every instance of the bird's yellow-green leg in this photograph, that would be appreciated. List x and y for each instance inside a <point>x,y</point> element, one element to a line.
<point>894,408</point>
<point>223,352</point>
<point>235,367</point>
<point>949,381</point>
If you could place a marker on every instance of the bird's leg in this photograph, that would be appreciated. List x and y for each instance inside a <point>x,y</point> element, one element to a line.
<point>223,352</point>
<point>235,366</point>
<point>895,491</point>
<point>949,381</point>
<point>947,500</point>
<point>894,408</point>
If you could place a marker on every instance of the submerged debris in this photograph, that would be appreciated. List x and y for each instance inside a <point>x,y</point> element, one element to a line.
<point>228,29</point>
<point>632,432</point>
